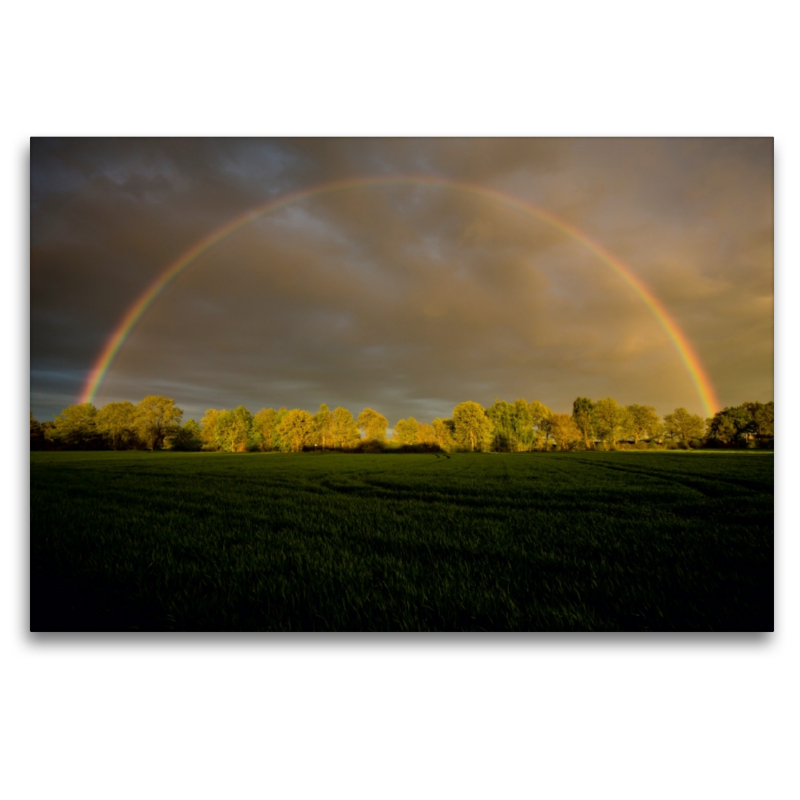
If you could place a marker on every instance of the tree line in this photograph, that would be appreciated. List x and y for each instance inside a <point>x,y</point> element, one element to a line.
<point>155,423</point>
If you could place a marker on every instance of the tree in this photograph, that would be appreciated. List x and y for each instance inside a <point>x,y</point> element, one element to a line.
<point>523,424</point>
<point>473,429</point>
<point>723,428</point>
<point>737,424</point>
<point>117,423</point>
<point>612,421</point>
<point>296,429</point>
<point>233,429</point>
<point>644,422</point>
<point>75,427</point>
<point>540,424</point>
<point>564,430</point>
<point>323,420</point>
<point>426,435</point>
<point>344,431</point>
<point>683,426</point>
<point>264,423</point>
<point>188,438</point>
<point>764,419</point>
<point>281,444</point>
<point>372,424</point>
<point>37,434</point>
<point>583,416</point>
<point>443,430</point>
<point>510,424</point>
<point>208,429</point>
<point>406,431</point>
<point>156,418</point>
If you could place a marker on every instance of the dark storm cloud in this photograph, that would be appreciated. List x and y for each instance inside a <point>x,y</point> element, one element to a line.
<point>405,298</point>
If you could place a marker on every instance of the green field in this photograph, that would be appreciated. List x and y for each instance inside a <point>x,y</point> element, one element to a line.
<point>631,541</point>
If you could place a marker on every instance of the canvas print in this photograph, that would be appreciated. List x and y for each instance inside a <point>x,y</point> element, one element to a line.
<point>401,384</point>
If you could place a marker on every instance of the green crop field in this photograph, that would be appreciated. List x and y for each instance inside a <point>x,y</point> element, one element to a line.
<point>635,541</point>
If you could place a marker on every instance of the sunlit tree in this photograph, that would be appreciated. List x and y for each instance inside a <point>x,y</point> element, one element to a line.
<point>612,421</point>
<point>344,430</point>
<point>763,419</point>
<point>156,418</point>
<point>583,416</point>
<point>644,422</point>
<point>264,423</point>
<point>76,426</point>
<point>323,420</point>
<point>511,425</point>
<point>280,444</point>
<point>406,431</point>
<point>684,427</point>
<point>208,429</point>
<point>425,434</point>
<point>372,424</point>
<point>117,423</point>
<point>473,429</point>
<point>564,431</point>
<point>296,429</point>
<point>540,424</point>
<point>443,433</point>
<point>233,429</point>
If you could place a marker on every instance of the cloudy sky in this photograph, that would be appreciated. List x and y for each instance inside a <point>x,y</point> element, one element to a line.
<point>407,297</point>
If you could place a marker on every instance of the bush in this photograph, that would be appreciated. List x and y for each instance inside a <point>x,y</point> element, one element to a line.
<point>417,448</point>
<point>370,446</point>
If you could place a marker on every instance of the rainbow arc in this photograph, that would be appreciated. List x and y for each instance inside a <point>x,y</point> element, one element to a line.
<point>136,311</point>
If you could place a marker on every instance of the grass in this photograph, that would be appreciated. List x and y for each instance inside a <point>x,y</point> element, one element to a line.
<point>539,542</point>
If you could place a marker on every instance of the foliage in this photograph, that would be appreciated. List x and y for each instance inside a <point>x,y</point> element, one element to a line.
<point>372,424</point>
<point>117,423</point>
<point>612,421</point>
<point>644,423</point>
<point>737,425</point>
<point>520,426</point>
<point>188,438</point>
<point>296,430</point>
<point>584,418</point>
<point>233,430</point>
<point>683,427</point>
<point>444,433</point>
<point>344,430</point>
<point>473,429</point>
<point>564,431</point>
<point>75,427</point>
<point>264,434</point>
<point>37,434</point>
<point>426,436</point>
<point>406,431</point>
<point>208,429</point>
<point>540,424</point>
<point>155,419</point>
<point>512,426</point>
<point>323,421</point>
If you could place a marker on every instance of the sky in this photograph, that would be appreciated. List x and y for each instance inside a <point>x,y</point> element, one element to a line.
<point>402,274</point>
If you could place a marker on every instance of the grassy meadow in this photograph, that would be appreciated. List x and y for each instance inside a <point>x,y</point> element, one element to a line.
<point>620,541</point>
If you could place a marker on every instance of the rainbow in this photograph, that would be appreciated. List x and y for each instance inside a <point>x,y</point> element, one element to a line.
<point>123,329</point>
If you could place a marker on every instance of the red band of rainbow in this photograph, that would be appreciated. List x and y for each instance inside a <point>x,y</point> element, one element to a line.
<point>685,350</point>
